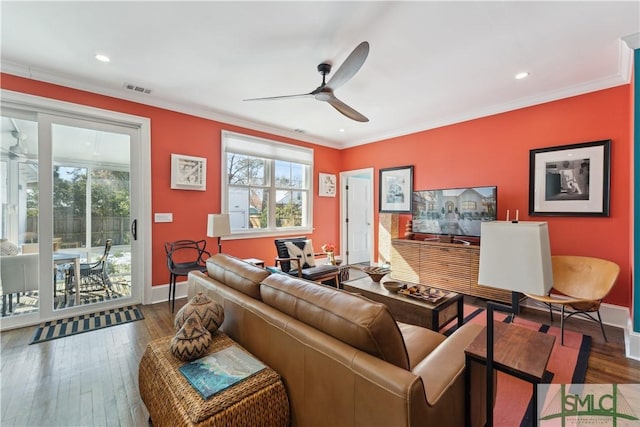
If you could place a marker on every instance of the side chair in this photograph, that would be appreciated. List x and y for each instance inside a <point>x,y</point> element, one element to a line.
<point>184,256</point>
<point>583,282</point>
<point>297,258</point>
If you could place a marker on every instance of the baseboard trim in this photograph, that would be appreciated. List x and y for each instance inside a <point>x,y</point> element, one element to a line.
<point>631,341</point>
<point>612,315</point>
<point>160,293</point>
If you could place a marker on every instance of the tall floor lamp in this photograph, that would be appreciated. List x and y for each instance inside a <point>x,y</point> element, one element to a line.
<point>514,256</point>
<point>217,226</point>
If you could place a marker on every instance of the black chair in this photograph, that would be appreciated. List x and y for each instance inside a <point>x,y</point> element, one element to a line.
<point>296,265</point>
<point>184,256</point>
<point>93,276</point>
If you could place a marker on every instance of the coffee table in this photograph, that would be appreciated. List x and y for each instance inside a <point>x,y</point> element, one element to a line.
<point>407,309</point>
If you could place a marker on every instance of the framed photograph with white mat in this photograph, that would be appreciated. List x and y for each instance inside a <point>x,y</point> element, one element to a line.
<point>570,180</point>
<point>327,185</point>
<point>396,189</point>
<point>188,172</point>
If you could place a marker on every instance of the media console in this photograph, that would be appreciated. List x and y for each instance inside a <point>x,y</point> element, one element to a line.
<point>449,266</point>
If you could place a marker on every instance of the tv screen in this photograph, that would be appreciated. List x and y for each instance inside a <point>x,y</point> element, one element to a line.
<point>454,211</point>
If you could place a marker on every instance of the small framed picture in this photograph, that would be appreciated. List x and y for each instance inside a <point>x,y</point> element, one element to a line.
<point>570,180</point>
<point>188,172</point>
<point>327,185</point>
<point>396,188</point>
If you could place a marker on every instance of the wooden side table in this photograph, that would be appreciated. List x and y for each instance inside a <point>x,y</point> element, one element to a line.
<point>255,261</point>
<point>518,351</point>
<point>171,400</point>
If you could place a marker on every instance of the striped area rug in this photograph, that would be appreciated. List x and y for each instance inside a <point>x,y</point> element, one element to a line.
<point>87,322</point>
<point>567,365</point>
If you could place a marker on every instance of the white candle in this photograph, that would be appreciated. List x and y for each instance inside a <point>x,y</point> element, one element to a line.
<point>507,214</point>
<point>517,214</point>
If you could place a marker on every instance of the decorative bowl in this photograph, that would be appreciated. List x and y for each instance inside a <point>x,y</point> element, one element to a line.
<point>376,273</point>
<point>392,286</point>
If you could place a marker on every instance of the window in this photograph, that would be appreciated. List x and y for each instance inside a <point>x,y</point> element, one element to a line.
<point>469,205</point>
<point>266,185</point>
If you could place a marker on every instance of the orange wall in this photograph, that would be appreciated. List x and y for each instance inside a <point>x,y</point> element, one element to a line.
<point>495,151</point>
<point>487,151</point>
<point>173,132</point>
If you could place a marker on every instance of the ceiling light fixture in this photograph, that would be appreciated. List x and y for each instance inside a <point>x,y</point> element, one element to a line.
<point>340,130</point>
<point>522,75</point>
<point>102,58</point>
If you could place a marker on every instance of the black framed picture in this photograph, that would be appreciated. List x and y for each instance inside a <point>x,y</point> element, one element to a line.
<point>570,180</point>
<point>396,188</point>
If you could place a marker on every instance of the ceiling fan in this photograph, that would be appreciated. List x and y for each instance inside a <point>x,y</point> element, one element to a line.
<point>19,149</point>
<point>325,92</point>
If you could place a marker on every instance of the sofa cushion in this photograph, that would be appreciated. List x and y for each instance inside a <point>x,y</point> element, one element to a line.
<point>353,319</point>
<point>236,273</point>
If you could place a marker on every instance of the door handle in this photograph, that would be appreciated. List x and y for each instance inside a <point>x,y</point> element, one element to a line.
<point>134,229</point>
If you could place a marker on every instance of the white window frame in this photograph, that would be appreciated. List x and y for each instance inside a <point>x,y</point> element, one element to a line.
<point>233,142</point>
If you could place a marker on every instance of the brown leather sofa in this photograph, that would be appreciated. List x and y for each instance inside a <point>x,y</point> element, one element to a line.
<point>343,358</point>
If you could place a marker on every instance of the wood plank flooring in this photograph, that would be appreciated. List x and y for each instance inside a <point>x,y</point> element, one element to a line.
<point>92,378</point>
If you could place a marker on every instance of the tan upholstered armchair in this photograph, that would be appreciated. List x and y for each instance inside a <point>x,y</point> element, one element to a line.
<point>584,282</point>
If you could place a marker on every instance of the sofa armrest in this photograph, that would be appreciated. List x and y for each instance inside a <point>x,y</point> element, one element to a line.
<point>441,368</point>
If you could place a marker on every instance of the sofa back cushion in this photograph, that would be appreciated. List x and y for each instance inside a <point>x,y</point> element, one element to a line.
<point>237,274</point>
<point>353,319</point>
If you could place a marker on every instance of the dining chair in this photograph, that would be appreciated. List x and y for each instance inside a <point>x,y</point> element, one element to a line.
<point>184,256</point>
<point>583,282</point>
<point>93,276</point>
<point>18,274</point>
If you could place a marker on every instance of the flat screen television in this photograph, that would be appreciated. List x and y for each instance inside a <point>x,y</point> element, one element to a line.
<point>454,211</point>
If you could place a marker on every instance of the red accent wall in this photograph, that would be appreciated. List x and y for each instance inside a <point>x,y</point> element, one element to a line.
<point>173,132</point>
<point>495,151</point>
<point>486,151</point>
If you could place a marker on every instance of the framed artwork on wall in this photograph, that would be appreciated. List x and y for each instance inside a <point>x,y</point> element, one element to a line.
<point>188,172</point>
<point>570,180</point>
<point>327,185</point>
<point>396,189</point>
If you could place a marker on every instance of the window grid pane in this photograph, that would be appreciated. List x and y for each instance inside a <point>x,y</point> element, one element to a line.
<point>267,194</point>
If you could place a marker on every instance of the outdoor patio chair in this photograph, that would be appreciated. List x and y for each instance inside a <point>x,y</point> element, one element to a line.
<point>93,276</point>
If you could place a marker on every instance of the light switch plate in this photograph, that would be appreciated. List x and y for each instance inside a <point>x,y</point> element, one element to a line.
<point>163,217</point>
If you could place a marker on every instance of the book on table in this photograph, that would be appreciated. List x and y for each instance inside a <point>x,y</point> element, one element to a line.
<point>220,370</point>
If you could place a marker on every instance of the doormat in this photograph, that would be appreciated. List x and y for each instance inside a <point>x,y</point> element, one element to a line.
<point>567,365</point>
<point>61,328</point>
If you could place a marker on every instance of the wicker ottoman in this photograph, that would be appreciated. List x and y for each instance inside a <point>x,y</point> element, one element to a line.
<point>260,400</point>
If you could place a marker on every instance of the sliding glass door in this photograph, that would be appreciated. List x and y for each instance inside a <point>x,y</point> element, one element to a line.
<point>68,202</point>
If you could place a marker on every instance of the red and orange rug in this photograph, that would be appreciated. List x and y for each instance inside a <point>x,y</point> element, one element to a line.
<point>567,365</point>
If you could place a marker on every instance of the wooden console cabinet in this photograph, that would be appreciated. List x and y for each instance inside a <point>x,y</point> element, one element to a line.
<point>453,267</point>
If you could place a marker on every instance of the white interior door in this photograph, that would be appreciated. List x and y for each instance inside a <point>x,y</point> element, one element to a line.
<point>357,235</point>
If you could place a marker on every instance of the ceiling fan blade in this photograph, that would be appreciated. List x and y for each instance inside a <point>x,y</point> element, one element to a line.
<point>350,66</point>
<point>270,98</point>
<point>346,110</point>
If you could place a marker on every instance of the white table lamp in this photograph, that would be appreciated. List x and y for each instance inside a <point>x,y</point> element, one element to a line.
<point>217,226</point>
<point>514,256</point>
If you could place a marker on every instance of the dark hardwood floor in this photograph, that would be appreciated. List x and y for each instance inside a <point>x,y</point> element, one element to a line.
<point>92,378</point>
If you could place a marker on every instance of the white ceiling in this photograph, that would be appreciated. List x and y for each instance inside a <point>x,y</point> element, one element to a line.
<point>430,63</point>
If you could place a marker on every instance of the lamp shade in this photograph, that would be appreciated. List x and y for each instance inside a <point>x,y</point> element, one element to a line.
<point>516,256</point>
<point>218,225</point>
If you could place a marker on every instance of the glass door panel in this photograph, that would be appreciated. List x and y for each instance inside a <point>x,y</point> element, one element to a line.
<point>91,214</point>
<point>19,190</point>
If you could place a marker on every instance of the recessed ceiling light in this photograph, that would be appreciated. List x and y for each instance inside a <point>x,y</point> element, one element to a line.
<point>102,58</point>
<point>522,75</point>
<point>340,130</point>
